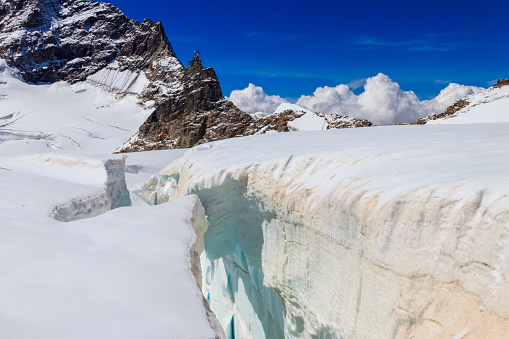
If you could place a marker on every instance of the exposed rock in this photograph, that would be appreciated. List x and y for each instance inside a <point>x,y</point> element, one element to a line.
<point>174,126</point>
<point>275,122</point>
<point>280,121</point>
<point>461,106</point>
<point>451,110</point>
<point>501,83</point>
<point>198,114</point>
<point>51,40</point>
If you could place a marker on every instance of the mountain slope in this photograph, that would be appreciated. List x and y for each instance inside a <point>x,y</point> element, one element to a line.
<point>488,106</point>
<point>51,40</point>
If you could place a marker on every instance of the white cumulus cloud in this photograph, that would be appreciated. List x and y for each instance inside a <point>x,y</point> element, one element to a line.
<point>383,102</point>
<point>253,99</point>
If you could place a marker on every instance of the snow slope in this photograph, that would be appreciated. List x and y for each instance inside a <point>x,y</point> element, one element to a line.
<point>365,233</point>
<point>123,273</point>
<point>488,106</point>
<point>79,118</point>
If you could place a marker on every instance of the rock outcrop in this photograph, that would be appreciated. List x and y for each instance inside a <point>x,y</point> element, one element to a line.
<point>501,83</point>
<point>451,110</point>
<point>198,114</point>
<point>51,40</point>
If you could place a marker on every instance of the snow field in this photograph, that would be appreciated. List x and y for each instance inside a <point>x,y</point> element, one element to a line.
<point>122,273</point>
<point>80,118</point>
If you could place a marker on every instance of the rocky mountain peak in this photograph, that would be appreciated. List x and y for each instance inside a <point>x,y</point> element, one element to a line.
<point>51,40</point>
<point>77,40</point>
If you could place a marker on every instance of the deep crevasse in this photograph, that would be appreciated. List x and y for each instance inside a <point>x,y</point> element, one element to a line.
<point>286,255</point>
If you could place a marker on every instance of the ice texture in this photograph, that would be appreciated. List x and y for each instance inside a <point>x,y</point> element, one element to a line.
<point>113,195</point>
<point>365,233</point>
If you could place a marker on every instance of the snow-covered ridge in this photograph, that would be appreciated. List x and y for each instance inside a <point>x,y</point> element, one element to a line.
<point>487,106</point>
<point>380,232</point>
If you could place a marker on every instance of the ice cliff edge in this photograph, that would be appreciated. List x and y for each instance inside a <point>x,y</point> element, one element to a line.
<point>371,234</point>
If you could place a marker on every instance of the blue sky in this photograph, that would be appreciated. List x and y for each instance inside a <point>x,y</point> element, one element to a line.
<point>292,47</point>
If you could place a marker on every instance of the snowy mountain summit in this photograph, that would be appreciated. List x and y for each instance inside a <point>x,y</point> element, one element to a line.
<point>54,40</point>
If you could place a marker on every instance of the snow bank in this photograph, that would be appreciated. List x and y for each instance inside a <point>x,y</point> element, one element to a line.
<point>124,274</point>
<point>128,273</point>
<point>287,106</point>
<point>105,177</point>
<point>382,232</point>
<point>113,195</point>
<point>308,122</point>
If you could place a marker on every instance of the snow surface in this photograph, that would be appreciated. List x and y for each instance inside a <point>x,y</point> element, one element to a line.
<point>378,232</point>
<point>121,82</point>
<point>122,273</point>
<point>488,106</point>
<point>287,106</point>
<point>79,118</point>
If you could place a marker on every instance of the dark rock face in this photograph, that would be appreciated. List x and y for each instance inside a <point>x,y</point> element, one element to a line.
<point>199,114</point>
<point>501,83</point>
<point>275,122</point>
<point>51,40</point>
<point>280,122</point>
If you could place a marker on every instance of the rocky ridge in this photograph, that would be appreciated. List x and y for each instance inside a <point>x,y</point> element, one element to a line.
<point>84,40</point>
<point>52,40</point>
<point>464,105</point>
<point>179,129</point>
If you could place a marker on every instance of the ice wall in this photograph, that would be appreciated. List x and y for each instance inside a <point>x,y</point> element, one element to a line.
<point>114,194</point>
<point>395,237</point>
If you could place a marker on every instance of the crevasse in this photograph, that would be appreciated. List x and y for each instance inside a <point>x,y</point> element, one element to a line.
<point>272,267</point>
<point>114,194</point>
<point>284,258</point>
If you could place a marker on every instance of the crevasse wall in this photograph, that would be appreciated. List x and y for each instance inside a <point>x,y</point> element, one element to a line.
<point>418,264</point>
<point>114,194</point>
<point>285,256</point>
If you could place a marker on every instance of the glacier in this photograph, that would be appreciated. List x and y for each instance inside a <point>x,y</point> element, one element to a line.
<point>391,232</point>
<point>108,271</point>
<point>383,232</point>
